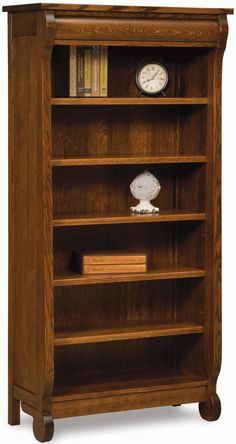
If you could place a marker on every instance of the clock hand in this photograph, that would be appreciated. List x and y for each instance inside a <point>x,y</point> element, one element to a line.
<point>149,80</point>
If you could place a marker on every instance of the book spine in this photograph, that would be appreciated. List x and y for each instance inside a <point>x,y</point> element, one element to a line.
<point>73,71</point>
<point>95,70</point>
<point>87,71</point>
<point>80,71</point>
<point>113,259</point>
<point>103,71</point>
<point>107,269</point>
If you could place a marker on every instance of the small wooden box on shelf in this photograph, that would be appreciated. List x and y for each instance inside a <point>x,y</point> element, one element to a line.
<point>82,344</point>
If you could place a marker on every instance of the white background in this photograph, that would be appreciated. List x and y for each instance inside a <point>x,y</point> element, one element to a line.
<point>166,424</point>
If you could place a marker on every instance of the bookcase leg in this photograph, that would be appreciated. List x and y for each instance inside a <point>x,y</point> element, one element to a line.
<point>43,428</point>
<point>13,411</point>
<point>211,409</point>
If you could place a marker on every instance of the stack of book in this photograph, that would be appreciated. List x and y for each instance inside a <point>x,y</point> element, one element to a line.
<point>88,71</point>
<point>110,263</point>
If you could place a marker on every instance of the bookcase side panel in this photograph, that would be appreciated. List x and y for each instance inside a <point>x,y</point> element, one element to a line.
<point>30,254</point>
<point>213,302</point>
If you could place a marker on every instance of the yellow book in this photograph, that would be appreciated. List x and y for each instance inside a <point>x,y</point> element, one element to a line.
<point>103,71</point>
<point>73,80</point>
<point>87,72</point>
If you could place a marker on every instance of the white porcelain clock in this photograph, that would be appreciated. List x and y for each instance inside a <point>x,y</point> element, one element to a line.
<point>151,78</point>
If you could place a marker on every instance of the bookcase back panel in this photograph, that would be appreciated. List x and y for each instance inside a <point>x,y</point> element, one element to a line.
<point>124,361</point>
<point>112,305</point>
<point>126,130</point>
<point>106,189</point>
<point>114,358</point>
<point>187,70</point>
<point>164,243</point>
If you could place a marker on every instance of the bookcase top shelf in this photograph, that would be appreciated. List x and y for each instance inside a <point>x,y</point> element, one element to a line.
<point>130,101</point>
<point>116,8</point>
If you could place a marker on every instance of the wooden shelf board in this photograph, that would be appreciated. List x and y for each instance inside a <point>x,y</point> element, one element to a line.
<point>60,161</point>
<point>125,218</point>
<point>176,272</point>
<point>130,101</point>
<point>130,330</point>
<point>113,9</point>
<point>92,386</point>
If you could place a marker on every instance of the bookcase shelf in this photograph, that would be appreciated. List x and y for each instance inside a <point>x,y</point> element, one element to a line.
<point>180,272</point>
<point>60,161</point>
<point>125,218</point>
<point>92,343</point>
<point>141,382</point>
<point>131,330</point>
<point>129,101</point>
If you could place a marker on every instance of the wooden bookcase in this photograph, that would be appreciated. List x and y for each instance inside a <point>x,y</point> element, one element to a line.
<point>81,344</point>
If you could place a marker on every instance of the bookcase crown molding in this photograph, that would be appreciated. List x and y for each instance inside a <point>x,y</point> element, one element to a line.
<point>114,9</point>
<point>146,26</point>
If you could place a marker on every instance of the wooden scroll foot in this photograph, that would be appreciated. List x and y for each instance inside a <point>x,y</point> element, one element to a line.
<point>13,411</point>
<point>43,428</point>
<point>211,409</point>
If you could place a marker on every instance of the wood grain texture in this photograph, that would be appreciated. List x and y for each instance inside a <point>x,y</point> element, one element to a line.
<point>113,269</point>
<point>129,101</point>
<point>107,258</point>
<point>136,29</point>
<point>31,354</point>
<point>25,27</point>
<point>177,273</point>
<point>13,402</point>
<point>128,130</point>
<point>125,218</point>
<point>213,228</point>
<point>107,196</point>
<point>162,343</point>
<point>134,44</point>
<point>126,9</point>
<point>43,428</point>
<point>178,299</point>
<point>159,398</point>
<point>131,330</point>
<point>211,409</point>
<point>121,384</point>
<point>60,161</point>
<point>158,242</point>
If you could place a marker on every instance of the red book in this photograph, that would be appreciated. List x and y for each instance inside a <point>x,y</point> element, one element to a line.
<point>95,70</point>
<point>80,71</point>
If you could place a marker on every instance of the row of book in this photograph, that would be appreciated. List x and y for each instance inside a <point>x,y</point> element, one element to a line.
<point>88,71</point>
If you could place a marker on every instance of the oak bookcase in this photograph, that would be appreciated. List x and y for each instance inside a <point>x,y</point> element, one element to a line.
<point>78,344</point>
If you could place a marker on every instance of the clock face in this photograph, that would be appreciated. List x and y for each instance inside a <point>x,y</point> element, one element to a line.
<point>152,78</point>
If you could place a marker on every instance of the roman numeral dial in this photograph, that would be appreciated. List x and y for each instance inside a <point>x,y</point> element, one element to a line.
<point>151,78</point>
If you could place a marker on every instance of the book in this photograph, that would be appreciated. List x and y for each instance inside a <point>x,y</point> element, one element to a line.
<point>73,71</point>
<point>103,71</point>
<point>108,258</point>
<point>87,71</point>
<point>112,269</point>
<point>108,262</point>
<point>95,70</point>
<point>80,71</point>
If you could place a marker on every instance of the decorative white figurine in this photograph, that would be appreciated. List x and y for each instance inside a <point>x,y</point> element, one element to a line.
<point>145,187</point>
